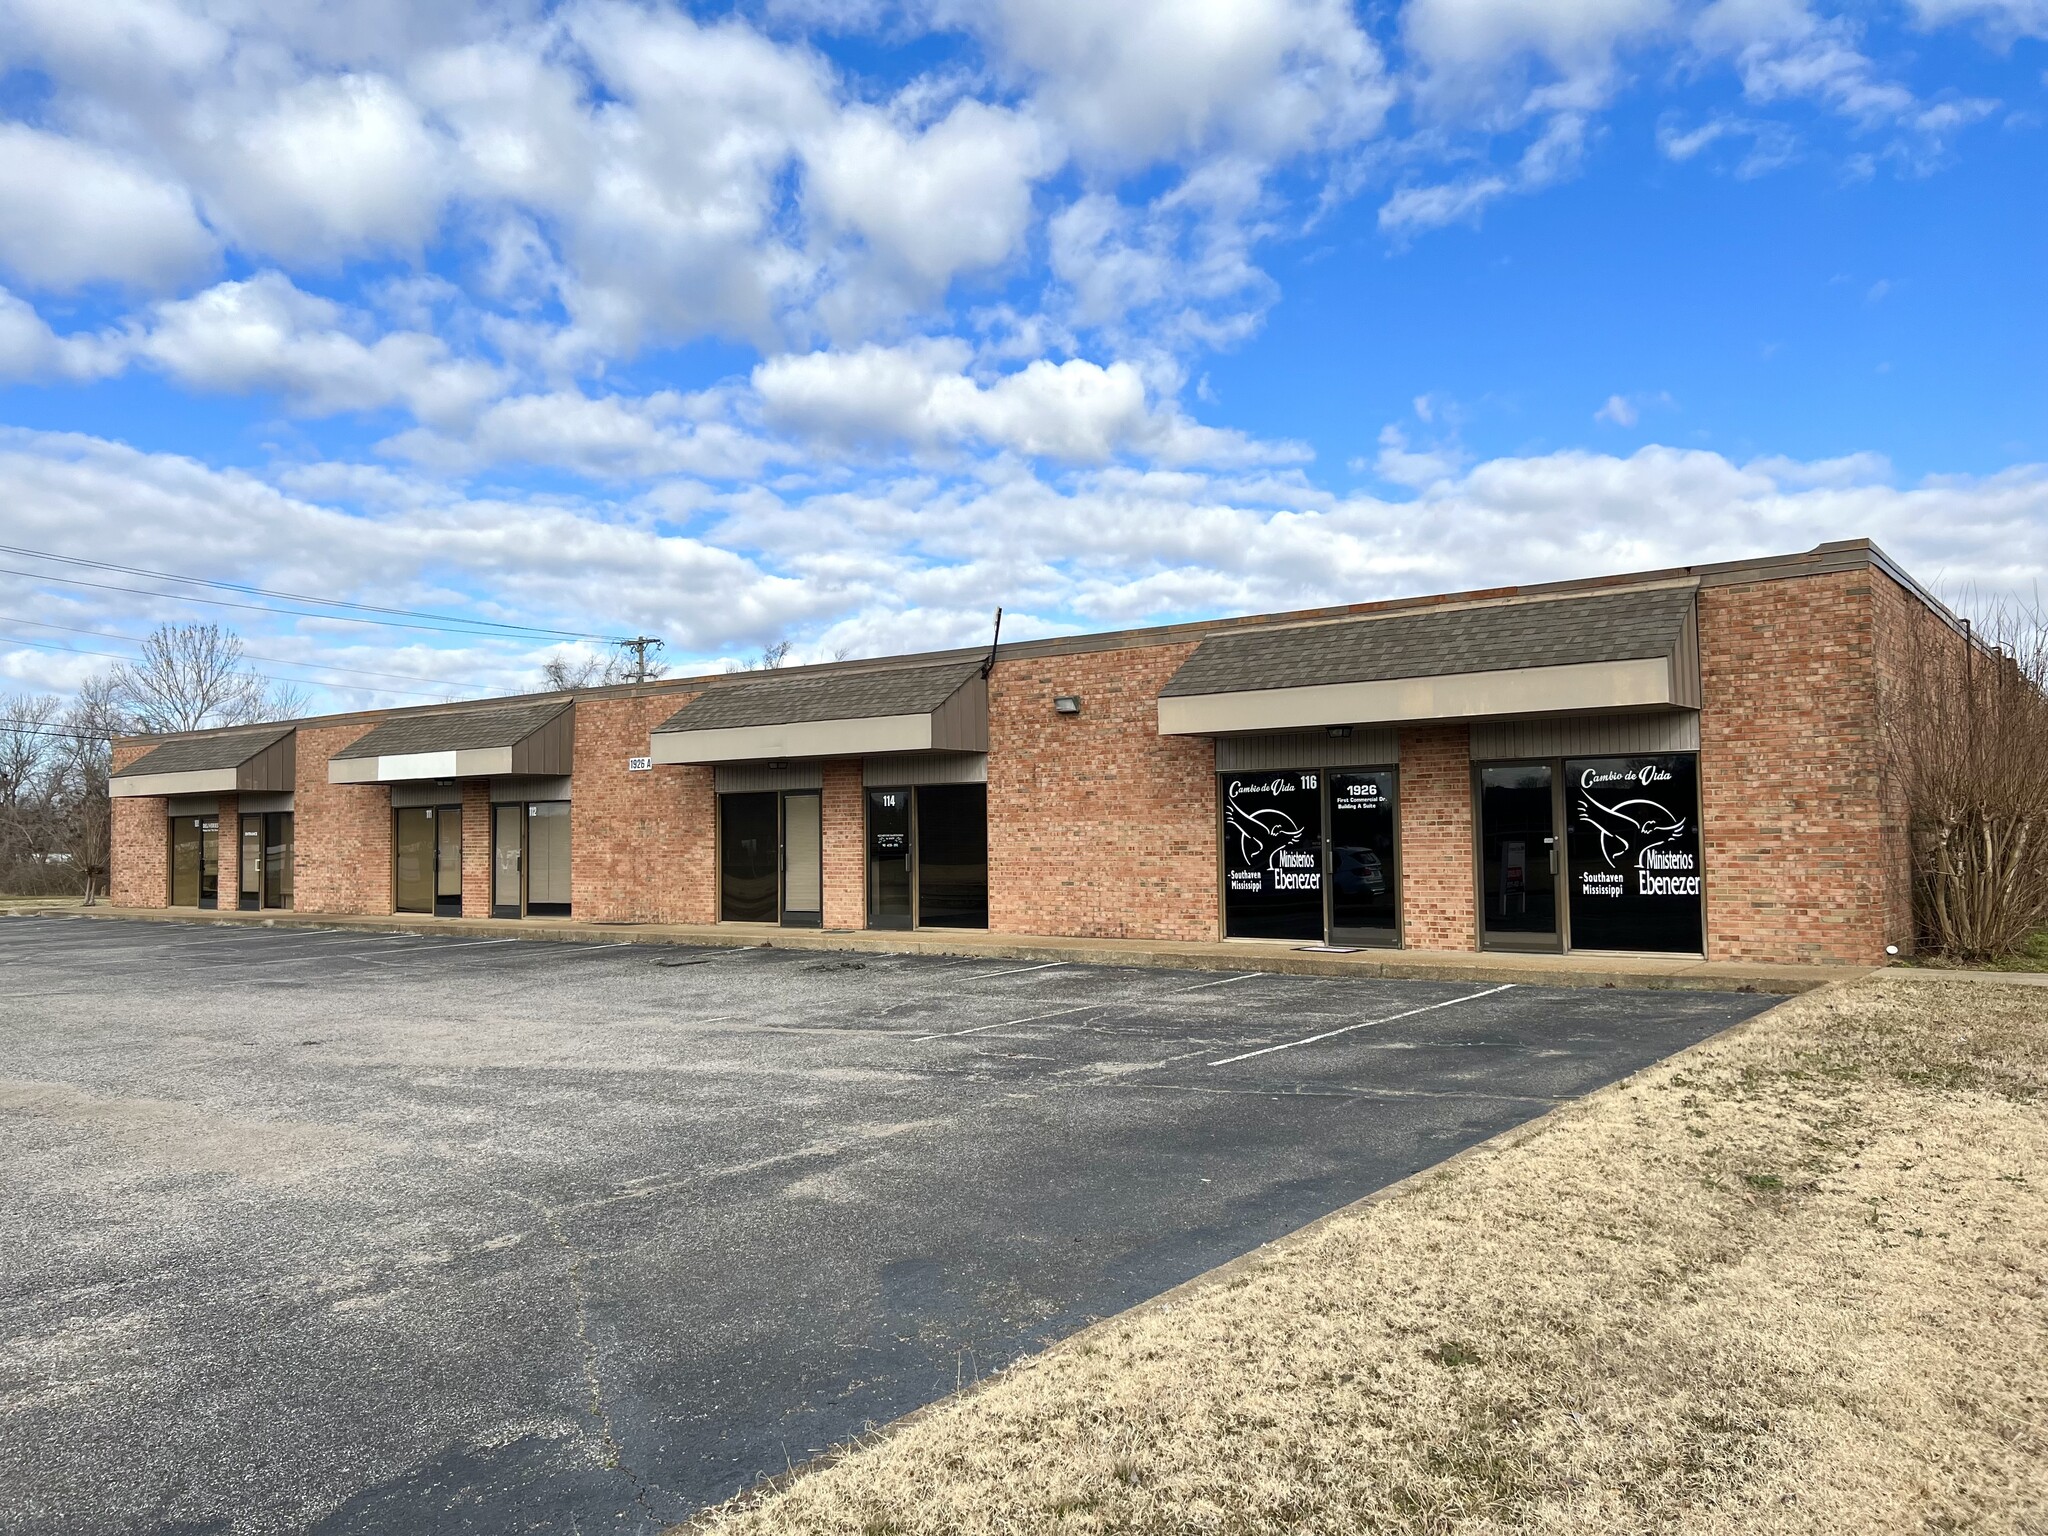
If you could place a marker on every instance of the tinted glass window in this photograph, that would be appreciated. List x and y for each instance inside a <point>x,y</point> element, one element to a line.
<point>1273,855</point>
<point>1364,881</point>
<point>747,858</point>
<point>278,853</point>
<point>508,859</point>
<point>547,858</point>
<point>952,856</point>
<point>185,861</point>
<point>413,860</point>
<point>1634,840</point>
<point>252,862</point>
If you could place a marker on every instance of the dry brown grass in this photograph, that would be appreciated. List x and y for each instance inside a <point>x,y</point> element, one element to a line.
<point>1793,1280</point>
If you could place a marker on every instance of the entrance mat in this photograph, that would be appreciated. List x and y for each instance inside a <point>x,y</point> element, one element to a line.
<point>1327,949</point>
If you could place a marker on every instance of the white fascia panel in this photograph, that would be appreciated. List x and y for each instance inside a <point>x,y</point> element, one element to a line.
<point>1582,686</point>
<point>810,738</point>
<point>202,781</point>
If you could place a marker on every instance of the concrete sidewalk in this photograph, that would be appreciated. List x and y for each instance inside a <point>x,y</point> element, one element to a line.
<point>1578,970</point>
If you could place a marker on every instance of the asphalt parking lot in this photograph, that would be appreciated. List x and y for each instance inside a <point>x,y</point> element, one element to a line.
<point>330,1231</point>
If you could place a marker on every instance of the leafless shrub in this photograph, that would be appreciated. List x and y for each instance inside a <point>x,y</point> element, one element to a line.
<point>1965,723</point>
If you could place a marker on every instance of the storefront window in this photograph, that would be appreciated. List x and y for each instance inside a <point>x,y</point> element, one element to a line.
<point>278,857</point>
<point>252,863</point>
<point>185,861</point>
<point>547,856</point>
<point>952,856</point>
<point>1273,855</point>
<point>1633,839</point>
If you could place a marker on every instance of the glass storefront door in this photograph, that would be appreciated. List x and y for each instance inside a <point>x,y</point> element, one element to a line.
<point>547,858</point>
<point>1518,856</point>
<point>447,860</point>
<point>508,860</point>
<point>803,859</point>
<point>748,857</point>
<point>185,860</point>
<point>1273,855</point>
<point>209,863</point>
<point>1365,897</point>
<point>252,864</point>
<point>889,857</point>
<point>278,858</point>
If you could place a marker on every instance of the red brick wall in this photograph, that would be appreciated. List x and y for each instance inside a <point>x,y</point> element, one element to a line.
<point>1795,850</point>
<point>476,848</point>
<point>845,824</point>
<point>343,830</point>
<point>640,844</point>
<point>1438,898</point>
<point>230,887</point>
<point>139,851</point>
<point>1098,825</point>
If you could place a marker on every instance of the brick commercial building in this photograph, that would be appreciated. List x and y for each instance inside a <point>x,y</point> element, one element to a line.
<point>1682,761</point>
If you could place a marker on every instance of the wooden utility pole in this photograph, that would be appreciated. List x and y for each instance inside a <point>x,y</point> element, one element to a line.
<point>638,646</point>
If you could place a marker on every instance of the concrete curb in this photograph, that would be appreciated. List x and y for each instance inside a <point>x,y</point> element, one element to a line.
<point>1224,1273</point>
<point>1286,960</point>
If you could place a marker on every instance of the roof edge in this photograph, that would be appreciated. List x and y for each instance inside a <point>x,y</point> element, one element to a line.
<point>1823,559</point>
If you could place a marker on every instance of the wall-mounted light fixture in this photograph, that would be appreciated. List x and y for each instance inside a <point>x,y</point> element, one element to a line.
<point>1067,704</point>
<point>1340,731</point>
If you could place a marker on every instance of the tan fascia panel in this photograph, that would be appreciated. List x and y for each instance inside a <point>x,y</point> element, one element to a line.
<point>811,738</point>
<point>201,781</point>
<point>1579,687</point>
<point>406,767</point>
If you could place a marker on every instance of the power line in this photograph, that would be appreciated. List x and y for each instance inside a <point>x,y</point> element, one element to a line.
<point>296,597</point>
<point>281,661</point>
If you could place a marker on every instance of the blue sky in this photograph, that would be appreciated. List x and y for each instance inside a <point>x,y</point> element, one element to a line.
<point>842,323</point>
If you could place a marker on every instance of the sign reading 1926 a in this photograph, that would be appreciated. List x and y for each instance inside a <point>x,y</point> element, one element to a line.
<point>1634,842</point>
<point>639,765</point>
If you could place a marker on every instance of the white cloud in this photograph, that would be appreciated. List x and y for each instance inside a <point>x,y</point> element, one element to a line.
<point>950,198</point>
<point>920,397</point>
<point>2003,19</point>
<point>264,333</point>
<point>332,167</point>
<point>30,350</point>
<point>1144,80</point>
<point>71,214</point>
<point>607,438</point>
<point>1465,44</point>
<point>1618,411</point>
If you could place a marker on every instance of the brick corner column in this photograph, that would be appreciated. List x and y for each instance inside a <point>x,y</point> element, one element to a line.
<point>139,852</point>
<point>476,848</point>
<point>1438,899</point>
<point>228,892</point>
<point>844,811</point>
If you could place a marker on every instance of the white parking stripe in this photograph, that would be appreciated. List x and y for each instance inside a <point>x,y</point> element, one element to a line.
<point>1019,971</point>
<point>955,1034</point>
<point>1331,1034</point>
<point>1226,981</point>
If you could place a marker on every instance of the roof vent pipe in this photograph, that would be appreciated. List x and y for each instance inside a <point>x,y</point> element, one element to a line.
<point>990,665</point>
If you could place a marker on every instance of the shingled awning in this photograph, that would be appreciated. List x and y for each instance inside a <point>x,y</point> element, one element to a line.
<point>245,760</point>
<point>1632,649</point>
<point>461,744</point>
<point>939,707</point>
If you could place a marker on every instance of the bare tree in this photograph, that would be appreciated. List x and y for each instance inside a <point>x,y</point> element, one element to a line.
<point>565,671</point>
<point>771,657</point>
<point>81,811</point>
<point>192,676</point>
<point>1965,721</point>
<point>28,749</point>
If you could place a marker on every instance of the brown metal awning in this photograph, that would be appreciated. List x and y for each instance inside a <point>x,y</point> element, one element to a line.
<point>461,744</point>
<point>1627,650</point>
<point>938,707</point>
<point>245,759</point>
